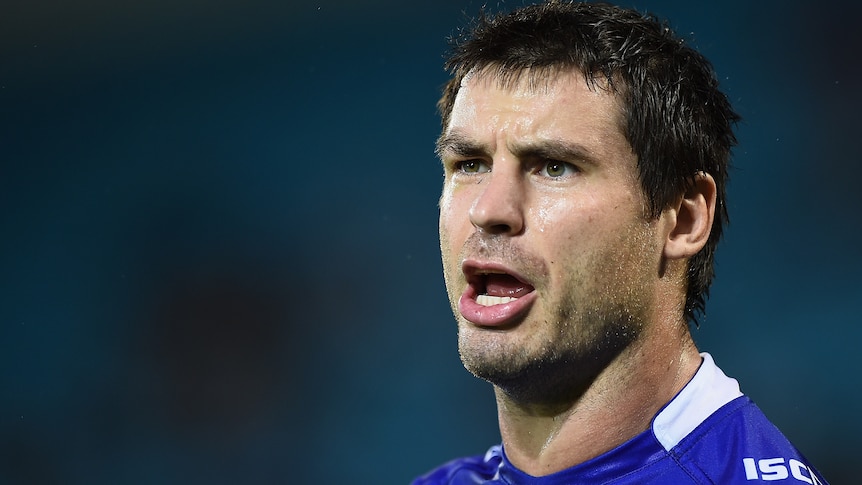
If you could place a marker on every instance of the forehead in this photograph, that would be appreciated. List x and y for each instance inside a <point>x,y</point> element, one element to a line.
<point>537,105</point>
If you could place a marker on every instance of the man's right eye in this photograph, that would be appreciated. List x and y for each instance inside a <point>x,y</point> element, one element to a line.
<point>473,166</point>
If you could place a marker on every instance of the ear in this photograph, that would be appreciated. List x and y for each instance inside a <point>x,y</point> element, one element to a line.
<point>691,219</point>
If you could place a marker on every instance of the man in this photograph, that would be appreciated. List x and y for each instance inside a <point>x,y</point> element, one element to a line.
<point>585,151</point>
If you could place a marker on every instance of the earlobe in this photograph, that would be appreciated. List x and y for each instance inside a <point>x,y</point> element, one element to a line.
<point>691,219</point>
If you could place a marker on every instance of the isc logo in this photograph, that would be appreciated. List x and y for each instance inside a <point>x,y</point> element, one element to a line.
<point>774,469</point>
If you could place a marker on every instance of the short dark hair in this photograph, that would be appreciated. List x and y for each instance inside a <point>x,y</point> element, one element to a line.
<point>674,116</point>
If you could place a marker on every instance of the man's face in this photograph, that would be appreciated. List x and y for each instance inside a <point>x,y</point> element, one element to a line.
<point>548,258</point>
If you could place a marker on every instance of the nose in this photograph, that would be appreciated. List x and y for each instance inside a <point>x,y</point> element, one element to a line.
<point>498,209</point>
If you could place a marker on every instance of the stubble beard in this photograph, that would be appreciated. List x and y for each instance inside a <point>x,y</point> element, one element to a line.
<point>601,312</point>
<point>562,364</point>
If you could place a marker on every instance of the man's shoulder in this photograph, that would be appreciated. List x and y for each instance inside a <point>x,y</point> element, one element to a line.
<point>718,435</point>
<point>739,444</point>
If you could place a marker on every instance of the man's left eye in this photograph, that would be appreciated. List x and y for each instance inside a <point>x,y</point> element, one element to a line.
<point>556,169</point>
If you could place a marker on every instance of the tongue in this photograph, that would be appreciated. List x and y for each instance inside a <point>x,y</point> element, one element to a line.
<point>505,285</point>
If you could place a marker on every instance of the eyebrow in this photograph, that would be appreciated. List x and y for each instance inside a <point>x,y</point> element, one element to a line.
<point>550,149</point>
<point>460,145</point>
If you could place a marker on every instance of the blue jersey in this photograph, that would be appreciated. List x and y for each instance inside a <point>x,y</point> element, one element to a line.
<point>710,433</point>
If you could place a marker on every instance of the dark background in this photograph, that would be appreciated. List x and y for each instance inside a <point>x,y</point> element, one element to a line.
<point>218,238</point>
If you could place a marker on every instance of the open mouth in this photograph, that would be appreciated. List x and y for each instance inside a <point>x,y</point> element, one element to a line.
<point>494,288</point>
<point>495,296</point>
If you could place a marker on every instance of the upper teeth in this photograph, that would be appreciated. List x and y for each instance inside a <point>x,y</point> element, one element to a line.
<point>486,300</point>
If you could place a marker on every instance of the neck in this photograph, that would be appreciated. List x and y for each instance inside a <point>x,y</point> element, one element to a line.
<point>542,438</point>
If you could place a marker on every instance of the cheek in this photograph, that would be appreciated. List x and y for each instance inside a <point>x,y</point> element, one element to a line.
<point>454,223</point>
<point>451,239</point>
<point>444,222</point>
<point>555,215</point>
<point>574,236</point>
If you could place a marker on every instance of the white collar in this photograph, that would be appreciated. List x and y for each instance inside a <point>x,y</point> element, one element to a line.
<point>704,394</point>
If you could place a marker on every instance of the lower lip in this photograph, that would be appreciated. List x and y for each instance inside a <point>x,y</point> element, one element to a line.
<point>494,315</point>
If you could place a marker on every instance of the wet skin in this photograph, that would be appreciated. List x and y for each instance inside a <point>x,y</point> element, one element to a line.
<point>541,185</point>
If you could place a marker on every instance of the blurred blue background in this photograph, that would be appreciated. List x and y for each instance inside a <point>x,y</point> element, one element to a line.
<point>219,251</point>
